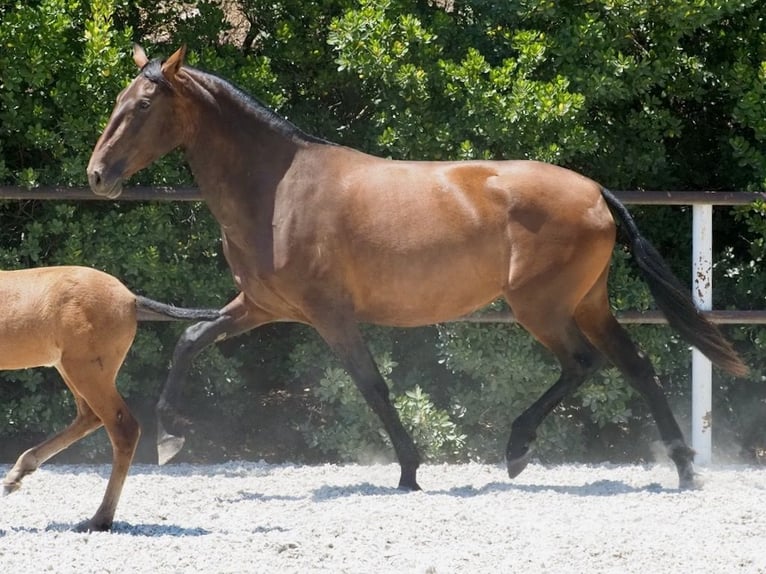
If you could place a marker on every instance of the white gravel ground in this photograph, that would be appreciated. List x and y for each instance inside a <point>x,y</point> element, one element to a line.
<point>256,517</point>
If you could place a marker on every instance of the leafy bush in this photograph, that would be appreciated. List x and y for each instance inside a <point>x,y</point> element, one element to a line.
<point>344,426</point>
<point>637,94</point>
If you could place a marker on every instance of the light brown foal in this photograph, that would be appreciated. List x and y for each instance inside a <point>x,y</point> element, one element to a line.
<point>82,322</point>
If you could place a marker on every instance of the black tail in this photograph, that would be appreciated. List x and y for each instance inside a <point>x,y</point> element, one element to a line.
<point>674,299</point>
<point>150,310</point>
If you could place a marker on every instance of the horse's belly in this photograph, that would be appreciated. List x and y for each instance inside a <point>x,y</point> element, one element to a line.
<point>25,350</point>
<point>418,297</point>
<point>13,361</point>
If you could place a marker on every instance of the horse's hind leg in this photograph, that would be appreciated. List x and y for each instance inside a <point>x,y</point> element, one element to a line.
<point>347,342</point>
<point>123,431</point>
<point>600,326</point>
<point>551,270</point>
<point>85,423</point>
<point>94,381</point>
<point>578,359</point>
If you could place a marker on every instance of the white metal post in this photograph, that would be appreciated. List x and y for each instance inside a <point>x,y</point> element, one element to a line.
<point>702,386</point>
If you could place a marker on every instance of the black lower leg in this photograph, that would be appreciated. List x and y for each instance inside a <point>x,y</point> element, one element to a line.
<point>375,392</point>
<point>524,428</point>
<point>637,369</point>
<point>191,343</point>
<point>363,370</point>
<point>645,381</point>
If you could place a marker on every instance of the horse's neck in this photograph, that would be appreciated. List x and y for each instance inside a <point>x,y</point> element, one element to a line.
<point>235,149</point>
<point>238,159</point>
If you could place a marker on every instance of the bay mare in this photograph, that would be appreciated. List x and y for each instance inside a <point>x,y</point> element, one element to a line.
<point>82,322</point>
<point>329,236</point>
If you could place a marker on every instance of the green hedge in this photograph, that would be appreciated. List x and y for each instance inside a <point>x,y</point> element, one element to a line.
<point>637,94</point>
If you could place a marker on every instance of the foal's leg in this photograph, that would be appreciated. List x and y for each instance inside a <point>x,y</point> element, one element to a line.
<point>578,361</point>
<point>610,337</point>
<point>84,424</point>
<point>347,342</point>
<point>95,383</point>
<point>236,318</point>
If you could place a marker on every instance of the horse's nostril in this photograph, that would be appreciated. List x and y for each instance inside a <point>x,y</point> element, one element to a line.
<point>94,178</point>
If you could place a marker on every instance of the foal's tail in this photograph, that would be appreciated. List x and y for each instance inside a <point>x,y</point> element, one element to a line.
<point>673,299</point>
<point>151,310</point>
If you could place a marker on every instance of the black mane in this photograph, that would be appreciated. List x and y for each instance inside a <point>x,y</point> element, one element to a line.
<point>152,71</point>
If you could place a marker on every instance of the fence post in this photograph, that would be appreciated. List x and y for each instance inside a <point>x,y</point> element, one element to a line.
<point>702,285</point>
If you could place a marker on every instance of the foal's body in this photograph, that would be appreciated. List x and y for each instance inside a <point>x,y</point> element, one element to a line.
<point>329,236</point>
<point>82,322</point>
<point>53,315</point>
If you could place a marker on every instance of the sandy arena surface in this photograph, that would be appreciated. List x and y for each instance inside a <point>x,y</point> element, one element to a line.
<point>256,517</point>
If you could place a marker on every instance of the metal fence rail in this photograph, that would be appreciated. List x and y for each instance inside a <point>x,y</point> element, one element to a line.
<point>143,193</point>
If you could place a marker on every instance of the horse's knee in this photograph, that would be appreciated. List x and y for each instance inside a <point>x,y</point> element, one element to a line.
<point>133,428</point>
<point>129,425</point>
<point>185,344</point>
<point>198,336</point>
<point>588,362</point>
<point>376,393</point>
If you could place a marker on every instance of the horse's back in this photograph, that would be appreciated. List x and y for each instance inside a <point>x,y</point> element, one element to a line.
<point>454,197</point>
<point>51,310</point>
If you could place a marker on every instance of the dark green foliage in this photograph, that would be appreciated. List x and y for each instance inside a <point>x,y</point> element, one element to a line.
<point>659,94</point>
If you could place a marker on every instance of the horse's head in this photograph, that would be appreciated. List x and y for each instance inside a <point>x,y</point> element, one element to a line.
<point>145,124</point>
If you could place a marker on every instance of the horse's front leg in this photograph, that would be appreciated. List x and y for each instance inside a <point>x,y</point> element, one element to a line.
<point>347,342</point>
<point>238,317</point>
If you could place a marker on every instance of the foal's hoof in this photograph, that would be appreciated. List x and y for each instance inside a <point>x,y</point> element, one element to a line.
<point>519,463</point>
<point>10,487</point>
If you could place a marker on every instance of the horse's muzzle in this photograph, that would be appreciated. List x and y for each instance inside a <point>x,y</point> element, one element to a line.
<point>105,187</point>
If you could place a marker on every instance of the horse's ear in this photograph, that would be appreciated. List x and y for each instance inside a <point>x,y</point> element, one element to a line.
<point>139,56</point>
<point>174,63</point>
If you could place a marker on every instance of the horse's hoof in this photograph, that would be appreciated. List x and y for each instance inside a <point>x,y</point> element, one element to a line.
<point>518,464</point>
<point>408,482</point>
<point>690,482</point>
<point>10,487</point>
<point>92,526</point>
<point>409,486</point>
<point>168,445</point>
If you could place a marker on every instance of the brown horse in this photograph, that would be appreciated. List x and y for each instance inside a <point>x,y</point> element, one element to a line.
<point>82,322</point>
<point>328,236</point>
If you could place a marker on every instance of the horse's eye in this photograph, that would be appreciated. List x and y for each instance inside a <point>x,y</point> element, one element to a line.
<point>144,104</point>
